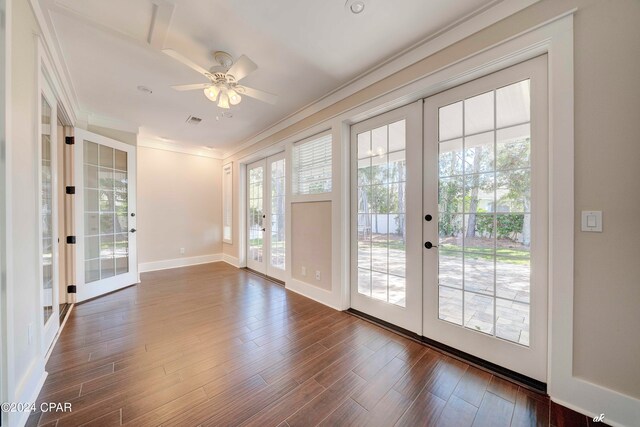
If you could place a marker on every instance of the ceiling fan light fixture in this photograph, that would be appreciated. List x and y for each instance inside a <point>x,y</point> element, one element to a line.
<point>212,92</point>
<point>234,97</point>
<point>223,102</point>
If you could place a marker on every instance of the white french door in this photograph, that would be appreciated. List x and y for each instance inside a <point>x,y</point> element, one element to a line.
<point>485,226</point>
<point>266,216</point>
<point>386,153</point>
<point>467,173</point>
<point>48,167</point>
<point>105,175</point>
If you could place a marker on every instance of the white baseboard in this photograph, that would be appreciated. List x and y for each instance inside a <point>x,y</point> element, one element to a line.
<point>29,391</point>
<point>315,293</point>
<point>591,400</point>
<point>178,262</point>
<point>231,260</point>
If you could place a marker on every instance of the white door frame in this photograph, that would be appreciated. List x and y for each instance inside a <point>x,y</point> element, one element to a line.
<point>530,361</point>
<point>51,327</point>
<point>94,289</point>
<point>265,266</point>
<point>409,317</point>
<point>272,271</point>
<point>260,267</point>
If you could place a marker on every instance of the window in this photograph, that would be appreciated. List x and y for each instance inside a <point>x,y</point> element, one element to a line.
<point>312,165</point>
<point>227,202</point>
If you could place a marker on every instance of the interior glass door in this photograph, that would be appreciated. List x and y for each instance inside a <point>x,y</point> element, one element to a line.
<point>485,218</point>
<point>385,217</point>
<point>48,215</point>
<point>266,216</point>
<point>105,214</point>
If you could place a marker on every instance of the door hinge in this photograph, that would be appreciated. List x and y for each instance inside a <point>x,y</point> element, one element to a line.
<point>71,289</point>
<point>69,140</point>
<point>70,189</point>
<point>71,240</point>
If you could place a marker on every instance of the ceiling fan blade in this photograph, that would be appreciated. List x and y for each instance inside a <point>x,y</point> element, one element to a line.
<point>175,55</point>
<point>267,97</point>
<point>242,68</point>
<point>191,87</point>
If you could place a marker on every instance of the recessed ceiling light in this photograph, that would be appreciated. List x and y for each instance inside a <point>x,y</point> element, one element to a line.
<point>355,6</point>
<point>145,89</point>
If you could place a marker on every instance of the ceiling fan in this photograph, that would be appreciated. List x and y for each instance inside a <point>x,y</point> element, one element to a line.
<point>223,86</point>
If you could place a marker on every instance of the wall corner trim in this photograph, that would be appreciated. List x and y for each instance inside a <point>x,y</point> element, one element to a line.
<point>323,296</point>
<point>231,260</point>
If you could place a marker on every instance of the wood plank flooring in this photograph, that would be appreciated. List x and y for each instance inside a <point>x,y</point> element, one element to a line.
<point>214,345</point>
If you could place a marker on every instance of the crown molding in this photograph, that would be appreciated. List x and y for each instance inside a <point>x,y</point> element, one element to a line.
<point>453,33</point>
<point>175,147</point>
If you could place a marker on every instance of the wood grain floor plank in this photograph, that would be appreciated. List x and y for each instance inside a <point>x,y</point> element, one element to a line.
<point>494,411</point>
<point>424,411</point>
<point>277,412</point>
<point>457,413</point>
<point>214,345</point>
<point>326,402</point>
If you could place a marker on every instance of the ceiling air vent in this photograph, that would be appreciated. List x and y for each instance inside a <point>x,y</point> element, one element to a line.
<point>193,120</point>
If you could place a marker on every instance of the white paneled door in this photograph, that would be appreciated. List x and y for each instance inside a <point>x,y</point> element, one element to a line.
<point>266,216</point>
<point>386,153</point>
<point>485,225</point>
<point>105,176</point>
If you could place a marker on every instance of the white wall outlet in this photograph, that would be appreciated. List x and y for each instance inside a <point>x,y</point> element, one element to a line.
<point>317,274</point>
<point>30,333</point>
<point>182,251</point>
<point>592,221</point>
<point>303,270</point>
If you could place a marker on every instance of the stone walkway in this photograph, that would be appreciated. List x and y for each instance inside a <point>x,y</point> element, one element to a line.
<point>511,280</point>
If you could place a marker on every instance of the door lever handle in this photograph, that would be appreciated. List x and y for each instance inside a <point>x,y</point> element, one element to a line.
<point>429,245</point>
<point>133,230</point>
<point>264,229</point>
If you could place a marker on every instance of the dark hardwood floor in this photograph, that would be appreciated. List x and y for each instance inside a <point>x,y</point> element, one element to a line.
<point>213,345</point>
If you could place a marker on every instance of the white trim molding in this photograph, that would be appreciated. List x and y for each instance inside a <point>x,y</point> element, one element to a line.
<point>315,293</point>
<point>166,264</point>
<point>193,150</point>
<point>29,389</point>
<point>231,260</point>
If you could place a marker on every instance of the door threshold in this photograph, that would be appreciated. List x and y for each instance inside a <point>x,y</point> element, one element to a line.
<point>264,276</point>
<point>500,371</point>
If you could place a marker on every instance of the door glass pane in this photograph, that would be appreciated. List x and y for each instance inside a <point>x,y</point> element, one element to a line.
<point>46,201</point>
<point>278,214</point>
<point>106,212</point>
<point>381,224</point>
<point>256,213</point>
<point>484,213</point>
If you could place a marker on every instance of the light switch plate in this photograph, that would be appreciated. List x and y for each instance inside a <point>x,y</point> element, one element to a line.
<point>592,221</point>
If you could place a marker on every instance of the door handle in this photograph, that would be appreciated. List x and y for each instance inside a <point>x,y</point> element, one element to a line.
<point>264,229</point>
<point>133,230</point>
<point>429,245</point>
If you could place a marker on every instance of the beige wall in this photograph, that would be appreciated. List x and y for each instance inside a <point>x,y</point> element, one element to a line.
<point>607,174</point>
<point>311,242</point>
<point>607,272</point>
<point>179,205</point>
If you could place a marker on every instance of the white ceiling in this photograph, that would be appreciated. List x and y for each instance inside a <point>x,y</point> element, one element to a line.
<point>304,49</point>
